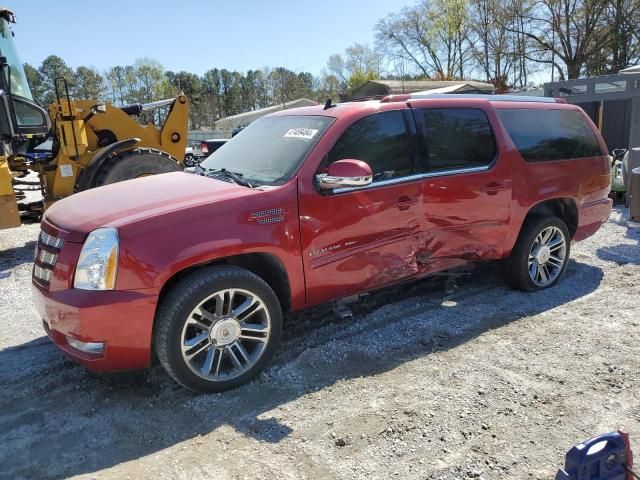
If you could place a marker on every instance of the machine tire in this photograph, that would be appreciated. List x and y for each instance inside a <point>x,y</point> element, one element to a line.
<point>517,271</point>
<point>136,163</point>
<point>176,332</point>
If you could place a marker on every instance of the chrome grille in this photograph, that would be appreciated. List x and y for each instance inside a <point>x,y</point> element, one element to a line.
<point>51,241</point>
<point>43,274</point>
<point>46,257</point>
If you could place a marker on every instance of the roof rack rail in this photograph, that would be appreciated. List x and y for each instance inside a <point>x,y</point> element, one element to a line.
<point>362,99</point>
<point>492,97</point>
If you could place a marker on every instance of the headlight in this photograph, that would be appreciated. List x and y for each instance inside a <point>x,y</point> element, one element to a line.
<point>98,262</point>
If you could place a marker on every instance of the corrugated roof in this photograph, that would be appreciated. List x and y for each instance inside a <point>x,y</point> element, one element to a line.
<point>387,87</point>
<point>300,102</point>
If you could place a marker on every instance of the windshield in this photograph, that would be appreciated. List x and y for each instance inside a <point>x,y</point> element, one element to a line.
<point>19,84</point>
<point>270,149</point>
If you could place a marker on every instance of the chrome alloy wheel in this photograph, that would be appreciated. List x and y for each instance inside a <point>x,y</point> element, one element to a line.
<point>226,334</point>
<point>547,256</point>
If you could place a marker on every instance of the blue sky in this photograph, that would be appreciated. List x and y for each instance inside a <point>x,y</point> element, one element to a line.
<point>195,35</point>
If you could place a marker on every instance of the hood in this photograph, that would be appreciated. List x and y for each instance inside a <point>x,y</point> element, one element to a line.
<point>125,202</point>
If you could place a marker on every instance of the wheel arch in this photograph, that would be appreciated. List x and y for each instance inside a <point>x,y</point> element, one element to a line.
<point>564,208</point>
<point>267,266</point>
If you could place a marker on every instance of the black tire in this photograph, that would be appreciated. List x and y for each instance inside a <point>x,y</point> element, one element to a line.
<point>136,163</point>
<point>189,160</point>
<point>177,306</point>
<point>516,267</point>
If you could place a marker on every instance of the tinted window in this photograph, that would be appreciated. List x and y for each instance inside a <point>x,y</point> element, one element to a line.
<point>456,138</point>
<point>381,141</point>
<point>550,134</point>
<point>271,148</point>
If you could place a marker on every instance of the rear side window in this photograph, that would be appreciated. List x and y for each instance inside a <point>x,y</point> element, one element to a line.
<point>545,135</point>
<point>381,140</point>
<point>455,138</point>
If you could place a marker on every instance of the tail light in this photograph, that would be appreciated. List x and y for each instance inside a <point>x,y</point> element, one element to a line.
<point>204,147</point>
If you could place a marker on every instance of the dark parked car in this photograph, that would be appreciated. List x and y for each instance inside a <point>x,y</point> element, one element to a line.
<point>209,146</point>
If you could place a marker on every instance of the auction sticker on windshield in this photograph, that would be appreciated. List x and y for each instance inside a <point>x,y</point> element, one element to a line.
<point>306,133</point>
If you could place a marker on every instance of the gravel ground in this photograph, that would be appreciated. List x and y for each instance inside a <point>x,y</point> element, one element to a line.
<point>452,377</point>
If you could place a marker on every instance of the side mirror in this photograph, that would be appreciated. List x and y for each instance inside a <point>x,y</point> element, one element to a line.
<point>345,173</point>
<point>19,116</point>
<point>31,119</point>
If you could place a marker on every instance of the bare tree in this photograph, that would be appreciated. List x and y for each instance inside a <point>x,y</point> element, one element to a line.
<point>500,44</point>
<point>433,36</point>
<point>495,41</point>
<point>359,64</point>
<point>623,19</point>
<point>516,10</point>
<point>566,33</point>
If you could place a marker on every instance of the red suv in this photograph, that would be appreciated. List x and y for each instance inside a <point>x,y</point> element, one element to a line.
<point>306,206</point>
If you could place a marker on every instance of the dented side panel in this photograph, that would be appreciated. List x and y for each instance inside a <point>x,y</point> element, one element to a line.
<point>359,240</point>
<point>466,216</point>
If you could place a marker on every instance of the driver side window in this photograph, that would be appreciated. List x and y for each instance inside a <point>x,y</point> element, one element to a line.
<point>381,140</point>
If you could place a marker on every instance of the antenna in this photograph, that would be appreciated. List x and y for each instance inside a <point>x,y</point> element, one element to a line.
<point>328,105</point>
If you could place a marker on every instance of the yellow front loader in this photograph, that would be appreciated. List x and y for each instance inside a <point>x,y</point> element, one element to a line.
<point>93,143</point>
<point>9,215</point>
<point>96,143</point>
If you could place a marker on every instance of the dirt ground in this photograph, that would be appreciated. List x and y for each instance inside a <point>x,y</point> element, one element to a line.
<point>447,378</point>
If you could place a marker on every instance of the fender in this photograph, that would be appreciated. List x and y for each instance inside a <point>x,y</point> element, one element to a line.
<point>88,176</point>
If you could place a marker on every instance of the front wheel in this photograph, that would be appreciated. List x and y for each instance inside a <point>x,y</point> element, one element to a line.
<point>540,256</point>
<point>217,328</point>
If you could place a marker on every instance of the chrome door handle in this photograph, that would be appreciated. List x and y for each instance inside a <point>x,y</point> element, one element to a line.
<point>493,188</point>
<point>405,202</point>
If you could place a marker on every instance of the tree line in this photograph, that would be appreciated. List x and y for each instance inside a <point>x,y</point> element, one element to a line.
<point>505,42</point>
<point>217,94</point>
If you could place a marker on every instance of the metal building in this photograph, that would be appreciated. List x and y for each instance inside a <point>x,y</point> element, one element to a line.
<point>224,127</point>
<point>381,88</point>
<point>612,102</point>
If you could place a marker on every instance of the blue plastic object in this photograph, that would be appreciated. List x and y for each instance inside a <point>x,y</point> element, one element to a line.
<point>601,458</point>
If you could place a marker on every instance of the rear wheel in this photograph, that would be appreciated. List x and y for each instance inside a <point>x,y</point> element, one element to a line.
<point>136,163</point>
<point>217,328</point>
<point>540,256</point>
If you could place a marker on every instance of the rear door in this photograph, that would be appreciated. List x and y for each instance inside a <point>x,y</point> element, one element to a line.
<point>467,185</point>
<point>356,239</point>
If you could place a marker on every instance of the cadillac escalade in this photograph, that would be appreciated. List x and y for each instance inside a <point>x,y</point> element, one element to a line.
<point>307,206</point>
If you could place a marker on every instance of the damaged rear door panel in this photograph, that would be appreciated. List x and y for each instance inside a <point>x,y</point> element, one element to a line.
<point>467,187</point>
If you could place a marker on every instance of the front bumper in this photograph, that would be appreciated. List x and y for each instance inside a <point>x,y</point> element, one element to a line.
<point>123,320</point>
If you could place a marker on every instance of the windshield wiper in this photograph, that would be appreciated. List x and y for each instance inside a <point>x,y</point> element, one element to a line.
<point>235,177</point>
<point>199,170</point>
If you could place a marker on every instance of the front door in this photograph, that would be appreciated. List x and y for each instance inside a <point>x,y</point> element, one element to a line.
<point>358,239</point>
